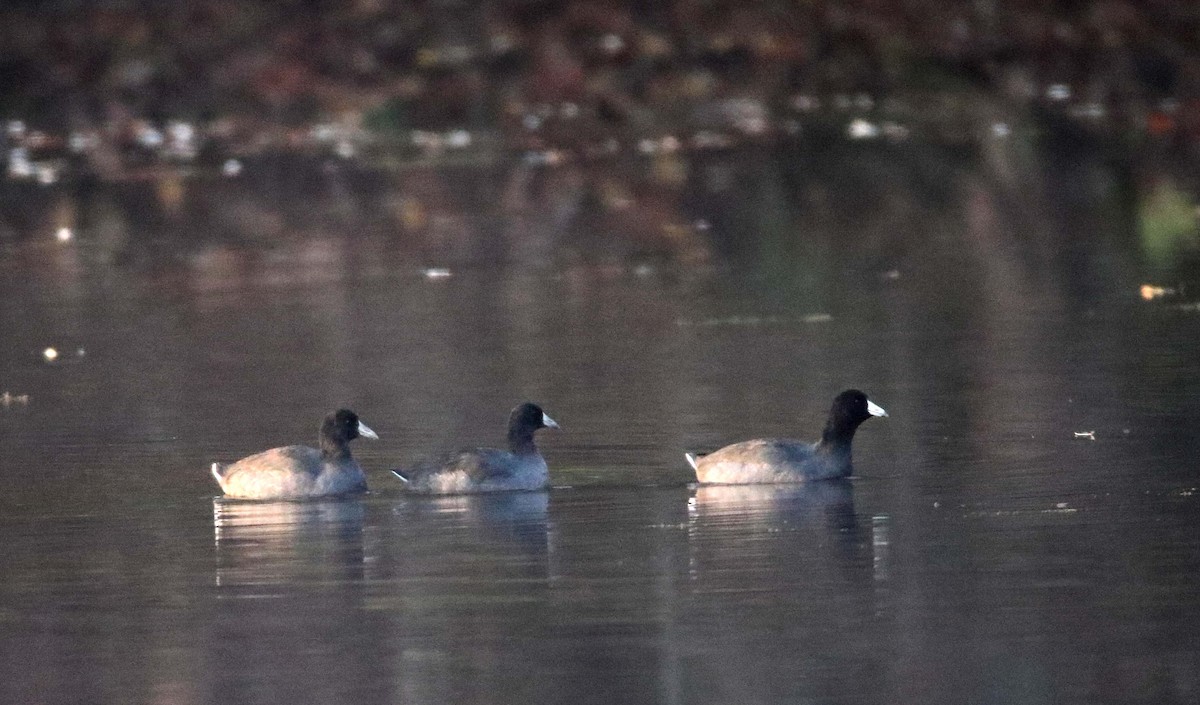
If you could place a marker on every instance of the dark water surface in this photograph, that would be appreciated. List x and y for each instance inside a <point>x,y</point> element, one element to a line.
<point>984,554</point>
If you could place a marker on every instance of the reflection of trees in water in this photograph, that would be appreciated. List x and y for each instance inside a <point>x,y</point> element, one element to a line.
<point>777,575</point>
<point>291,588</point>
<point>464,583</point>
<point>807,201</point>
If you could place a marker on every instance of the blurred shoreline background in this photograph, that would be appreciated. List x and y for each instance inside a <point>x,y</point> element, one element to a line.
<point>625,133</point>
<point>675,225</point>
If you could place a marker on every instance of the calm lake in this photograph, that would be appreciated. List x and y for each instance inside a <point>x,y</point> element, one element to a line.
<point>985,552</point>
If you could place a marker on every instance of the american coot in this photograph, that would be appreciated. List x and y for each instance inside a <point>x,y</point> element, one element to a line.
<point>774,460</point>
<point>521,467</point>
<point>299,471</point>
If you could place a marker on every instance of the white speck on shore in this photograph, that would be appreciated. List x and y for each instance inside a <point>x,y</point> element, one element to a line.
<point>860,129</point>
<point>1058,92</point>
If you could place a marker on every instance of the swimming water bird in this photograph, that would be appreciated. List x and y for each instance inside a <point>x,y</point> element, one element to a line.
<point>521,467</point>
<point>765,460</point>
<point>294,472</point>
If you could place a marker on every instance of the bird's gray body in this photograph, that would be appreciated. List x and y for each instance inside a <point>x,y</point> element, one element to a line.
<point>774,460</point>
<point>298,472</point>
<point>521,467</point>
<point>771,460</point>
<point>479,470</point>
<point>289,472</point>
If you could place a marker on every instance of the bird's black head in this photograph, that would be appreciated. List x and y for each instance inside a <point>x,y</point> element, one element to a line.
<point>530,416</point>
<point>850,408</point>
<point>341,424</point>
<point>522,422</point>
<point>341,427</point>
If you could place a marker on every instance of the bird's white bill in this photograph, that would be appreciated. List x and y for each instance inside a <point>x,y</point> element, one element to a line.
<point>874,409</point>
<point>366,432</point>
<point>548,422</point>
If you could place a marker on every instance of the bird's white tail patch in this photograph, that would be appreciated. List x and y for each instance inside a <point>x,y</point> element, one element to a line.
<point>403,478</point>
<point>692,459</point>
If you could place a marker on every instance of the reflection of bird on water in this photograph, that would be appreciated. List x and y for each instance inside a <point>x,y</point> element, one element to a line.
<point>808,518</point>
<point>796,503</point>
<point>283,519</point>
<point>300,471</point>
<point>521,467</point>
<point>519,518</point>
<point>770,460</point>
<point>261,544</point>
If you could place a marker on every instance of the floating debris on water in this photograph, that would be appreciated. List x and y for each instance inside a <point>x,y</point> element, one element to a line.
<point>754,320</point>
<point>891,275</point>
<point>1060,508</point>
<point>1151,292</point>
<point>8,399</point>
<point>231,168</point>
<point>1090,435</point>
<point>52,355</point>
<point>64,234</point>
<point>728,321</point>
<point>436,273</point>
